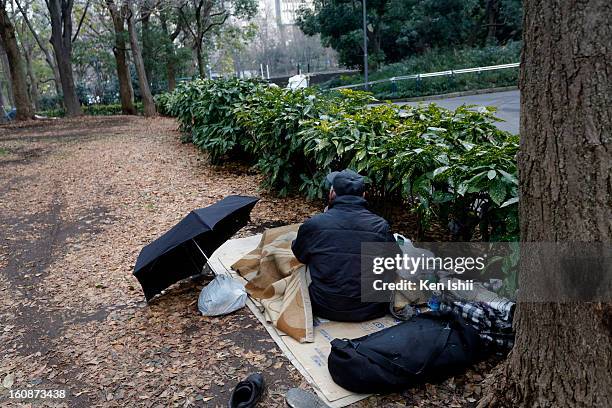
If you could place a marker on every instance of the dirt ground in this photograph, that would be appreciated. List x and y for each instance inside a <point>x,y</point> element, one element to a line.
<point>78,200</point>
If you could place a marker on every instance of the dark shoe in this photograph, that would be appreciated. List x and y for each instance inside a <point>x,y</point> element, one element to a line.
<point>248,392</point>
<point>297,398</point>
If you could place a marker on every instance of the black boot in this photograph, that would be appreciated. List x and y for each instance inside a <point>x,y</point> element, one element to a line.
<point>248,392</point>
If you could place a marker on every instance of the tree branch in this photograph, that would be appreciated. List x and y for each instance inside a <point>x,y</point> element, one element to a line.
<point>81,22</point>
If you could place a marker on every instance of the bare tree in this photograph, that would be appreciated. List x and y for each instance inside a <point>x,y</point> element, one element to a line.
<point>145,91</point>
<point>198,19</point>
<point>49,58</point>
<point>126,92</point>
<point>60,12</point>
<point>18,76</point>
<point>563,351</point>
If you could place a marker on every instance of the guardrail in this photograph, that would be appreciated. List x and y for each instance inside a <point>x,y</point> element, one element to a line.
<point>418,77</point>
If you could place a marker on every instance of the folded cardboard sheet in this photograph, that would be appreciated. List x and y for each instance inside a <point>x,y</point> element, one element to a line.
<point>309,358</point>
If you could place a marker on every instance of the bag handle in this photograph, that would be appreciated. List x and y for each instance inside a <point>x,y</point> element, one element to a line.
<point>400,236</point>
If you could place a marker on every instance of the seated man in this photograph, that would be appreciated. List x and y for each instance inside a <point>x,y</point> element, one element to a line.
<point>330,244</point>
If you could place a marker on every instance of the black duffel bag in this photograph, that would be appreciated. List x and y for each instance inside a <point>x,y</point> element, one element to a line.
<point>425,348</point>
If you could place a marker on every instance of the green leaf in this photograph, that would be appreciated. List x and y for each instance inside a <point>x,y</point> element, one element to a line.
<point>491,174</point>
<point>497,191</point>
<point>509,177</point>
<point>511,201</point>
<point>439,170</point>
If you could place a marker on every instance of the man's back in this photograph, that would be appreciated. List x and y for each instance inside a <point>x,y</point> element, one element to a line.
<point>330,244</point>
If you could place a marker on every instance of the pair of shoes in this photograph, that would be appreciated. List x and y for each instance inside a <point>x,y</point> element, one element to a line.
<point>247,392</point>
<point>297,398</point>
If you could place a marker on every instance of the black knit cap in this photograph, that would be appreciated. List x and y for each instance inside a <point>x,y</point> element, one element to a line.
<point>346,182</point>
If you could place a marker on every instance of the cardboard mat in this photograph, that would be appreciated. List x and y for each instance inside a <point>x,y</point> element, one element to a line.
<point>309,358</point>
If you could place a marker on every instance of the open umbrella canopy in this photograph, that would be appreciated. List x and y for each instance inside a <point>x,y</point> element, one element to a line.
<point>178,253</point>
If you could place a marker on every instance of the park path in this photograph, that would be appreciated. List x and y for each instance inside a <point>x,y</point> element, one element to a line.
<point>78,200</point>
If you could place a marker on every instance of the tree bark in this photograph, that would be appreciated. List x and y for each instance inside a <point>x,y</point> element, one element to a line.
<point>33,85</point>
<point>18,76</point>
<point>7,73</point>
<point>200,62</point>
<point>60,12</point>
<point>563,351</point>
<point>126,92</point>
<point>145,91</point>
<point>147,46</point>
<point>3,118</point>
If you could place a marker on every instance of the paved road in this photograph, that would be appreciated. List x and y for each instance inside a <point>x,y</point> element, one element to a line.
<point>507,104</point>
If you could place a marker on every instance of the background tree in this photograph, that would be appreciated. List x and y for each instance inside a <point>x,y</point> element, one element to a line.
<point>36,29</point>
<point>17,71</point>
<point>563,351</point>
<point>126,92</point>
<point>201,17</point>
<point>145,92</point>
<point>60,13</point>
<point>399,28</point>
<point>170,57</point>
<point>28,56</point>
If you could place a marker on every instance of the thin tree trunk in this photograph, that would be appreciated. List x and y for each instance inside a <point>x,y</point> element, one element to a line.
<point>50,59</point>
<point>145,91</point>
<point>126,92</point>
<point>171,75</point>
<point>147,46</point>
<point>491,17</point>
<point>60,12</point>
<point>200,62</point>
<point>18,76</point>
<point>33,88</point>
<point>563,351</point>
<point>169,54</point>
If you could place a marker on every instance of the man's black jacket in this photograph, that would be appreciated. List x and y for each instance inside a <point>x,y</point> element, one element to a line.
<point>330,244</point>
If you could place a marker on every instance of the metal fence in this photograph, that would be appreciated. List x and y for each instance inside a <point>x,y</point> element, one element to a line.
<point>418,77</point>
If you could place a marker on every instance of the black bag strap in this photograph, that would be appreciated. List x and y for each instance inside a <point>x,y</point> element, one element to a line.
<point>441,341</point>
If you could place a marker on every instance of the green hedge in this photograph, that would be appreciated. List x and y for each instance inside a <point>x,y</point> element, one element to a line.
<point>452,166</point>
<point>94,110</point>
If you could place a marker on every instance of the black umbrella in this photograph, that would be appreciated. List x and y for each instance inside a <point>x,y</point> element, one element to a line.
<point>184,250</point>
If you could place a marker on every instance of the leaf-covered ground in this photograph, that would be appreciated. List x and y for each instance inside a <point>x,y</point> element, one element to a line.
<point>78,200</point>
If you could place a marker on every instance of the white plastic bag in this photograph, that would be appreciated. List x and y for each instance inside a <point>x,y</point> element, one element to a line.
<point>409,249</point>
<point>221,296</point>
<point>298,82</point>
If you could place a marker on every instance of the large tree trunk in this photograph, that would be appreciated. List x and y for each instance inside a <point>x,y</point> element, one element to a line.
<point>145,91</point>
<point>126,92</point>
<point>60,12</point>
<point>563,351</point>
<point>18,76</point>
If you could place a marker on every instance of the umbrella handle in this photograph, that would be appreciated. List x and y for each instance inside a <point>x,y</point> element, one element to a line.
<point>207,258</point>
<point>203,253</point>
